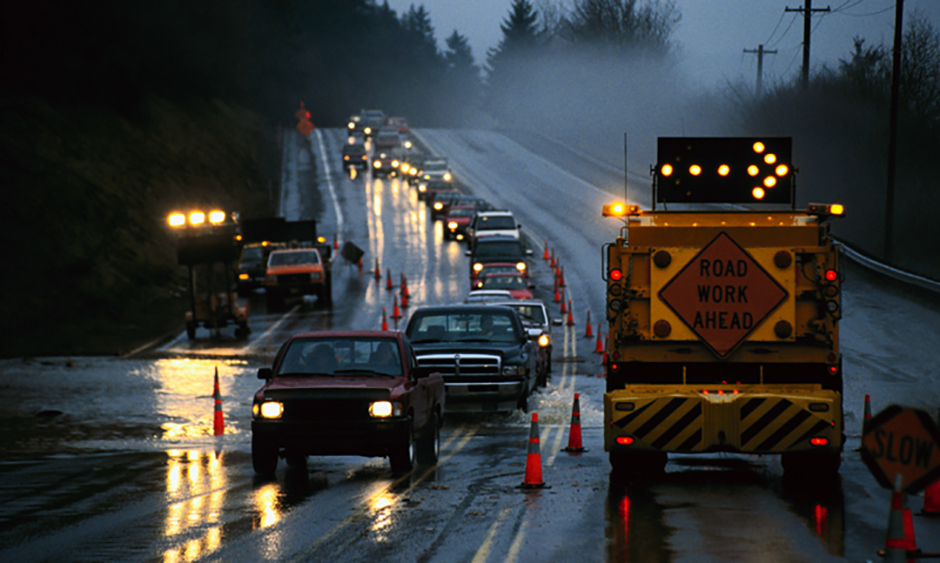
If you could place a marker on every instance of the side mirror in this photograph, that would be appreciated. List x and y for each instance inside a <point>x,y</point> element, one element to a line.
<point>519,226</point>
<point>556,322</point>
<point>528,252</point>
<point>265,373</point>
<point>467,253</point>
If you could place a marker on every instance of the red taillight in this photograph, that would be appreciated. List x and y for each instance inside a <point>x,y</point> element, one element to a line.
<point>721,391</point>
<point>616,275</point>
<point>625,440</point>
<point>831,357</point>
<point>832,275</point>
<point>614,367</point>
<point>833,369</point>
<point>704,391</point>
<point>819,441</point>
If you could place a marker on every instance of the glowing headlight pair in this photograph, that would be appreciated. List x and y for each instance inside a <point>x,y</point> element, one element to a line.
<point>268,409</point>
<point>384,409</point>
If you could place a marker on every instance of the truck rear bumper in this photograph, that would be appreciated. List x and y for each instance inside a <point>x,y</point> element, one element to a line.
<point>745,419</point>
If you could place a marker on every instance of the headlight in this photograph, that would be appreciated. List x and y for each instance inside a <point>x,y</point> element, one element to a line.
<point>513,370</point>
<point>438,206</point>
<point>271,409</point>
<point>243,276</point>
<point>365,157</point>
<point>407,144</point>
<point>394,164</point>
<point>544,340</point>
<point>176,219</point>
<point>367,130</point>
<point>477,267</point>
<point>413,171</point>
<point>520,266</point>
<point>422,187</point>
<point>452,226</point>
<point>405,167</point>
<point>345,157</point>
<point>377,164</point>
<point>384,409</point>
<point>351,125</point>
<point>447,176</point>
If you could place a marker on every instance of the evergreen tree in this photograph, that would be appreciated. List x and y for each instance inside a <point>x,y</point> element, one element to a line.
<point>508,59</point>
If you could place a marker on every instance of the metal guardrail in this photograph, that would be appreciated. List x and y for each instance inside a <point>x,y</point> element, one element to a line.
<point>890,271</point>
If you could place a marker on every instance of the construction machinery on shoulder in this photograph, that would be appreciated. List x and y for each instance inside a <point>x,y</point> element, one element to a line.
<point>723,304</point>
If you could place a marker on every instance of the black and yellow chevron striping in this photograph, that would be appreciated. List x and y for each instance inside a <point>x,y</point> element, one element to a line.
<point>774,424</point>
<point>745,423</point>
<point>669,423</point>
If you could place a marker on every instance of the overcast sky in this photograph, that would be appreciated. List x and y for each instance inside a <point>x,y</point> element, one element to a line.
<point>714,33</point>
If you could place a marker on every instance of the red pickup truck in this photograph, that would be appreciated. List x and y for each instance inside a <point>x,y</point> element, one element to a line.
<point>347,393</point>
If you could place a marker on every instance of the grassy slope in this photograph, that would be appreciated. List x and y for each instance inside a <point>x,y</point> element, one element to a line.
<point>90,267</point>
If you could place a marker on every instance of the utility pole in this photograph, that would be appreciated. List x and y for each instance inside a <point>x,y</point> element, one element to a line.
<point>807,10</point>
<point>893,129</point>
<point>760,63</point>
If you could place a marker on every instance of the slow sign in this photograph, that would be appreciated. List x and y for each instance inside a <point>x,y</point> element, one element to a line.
<point>905,442</point>
<point>722,294</point>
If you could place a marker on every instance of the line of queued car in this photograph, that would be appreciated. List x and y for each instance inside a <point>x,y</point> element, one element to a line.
<point>383,394</point>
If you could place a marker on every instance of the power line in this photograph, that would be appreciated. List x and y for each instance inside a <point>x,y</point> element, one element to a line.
<point>787,30</point>
<point>807,10</point>
<point>783,15</point>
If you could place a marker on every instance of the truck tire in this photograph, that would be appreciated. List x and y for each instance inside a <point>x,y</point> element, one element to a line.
<point>809,464</point>
<point>263,457</point>
<point>429,448</point>
<point>402,456</point>
<point>637,463</point>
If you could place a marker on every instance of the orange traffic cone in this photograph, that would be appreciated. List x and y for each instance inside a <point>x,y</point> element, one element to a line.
<point>552,263</point>
<point>899,540</point>
<point>335,242</point>
<point>561,276</point>
<point>563,308</point>
<point>384,320</point>
<point>558,273</point>
<point>396,312</point>
<point>359,265</point>
<point>404,300</point>
<point>388,279</point>
<point>218,424</point>
<point>545,255</point>
<point>533,462</point>
<point>570,314</point>
<point>599,347</point>
<point>404,286</point>
<point>557,295</point>
<point>574,435</point>
<point>588,333</point>
<point>378,272</point>
<point>866,421</point>
<point>931,500</point>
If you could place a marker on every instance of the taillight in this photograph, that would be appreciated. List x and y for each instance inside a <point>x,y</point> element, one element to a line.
<point>624,440</point>
<point>616,275</point>
<point>832,275</point>
<point>819,441</point>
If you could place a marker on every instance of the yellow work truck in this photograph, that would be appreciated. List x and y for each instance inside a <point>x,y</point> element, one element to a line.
<point>723,304</point>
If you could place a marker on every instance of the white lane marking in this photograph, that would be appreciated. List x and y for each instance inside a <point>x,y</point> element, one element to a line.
<point>254,344</point>
<point>483,553</point>
<point>329,183</point>
<point>513,554</point>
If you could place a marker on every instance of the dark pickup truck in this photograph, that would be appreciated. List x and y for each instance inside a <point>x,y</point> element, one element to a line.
<point>347,393</point>
<point>484,353</point>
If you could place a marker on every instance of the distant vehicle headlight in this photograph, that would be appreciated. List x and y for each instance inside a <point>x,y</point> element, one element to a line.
<point>385,409</point>
<point>477,267</point>
<point>544,340</point>
<point>351,125</point>
<point>394,164</point>
<point>447,176</point>
<point>422,187</point>
<point>520,266</point>
<point>452,226</point>
<point>376,164</point>
<point>438,205</point>
<point>407,144</point>
<point>367,130</point>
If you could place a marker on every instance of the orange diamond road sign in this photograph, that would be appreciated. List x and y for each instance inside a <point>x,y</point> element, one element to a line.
<point>305,127</point>
<point>905,442</point>
<point>723,294</point>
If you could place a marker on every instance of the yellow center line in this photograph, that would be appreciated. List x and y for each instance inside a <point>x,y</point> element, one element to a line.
<point>484,552</point>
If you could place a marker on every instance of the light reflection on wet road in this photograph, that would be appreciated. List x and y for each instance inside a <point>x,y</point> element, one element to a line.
<point>116,456</point>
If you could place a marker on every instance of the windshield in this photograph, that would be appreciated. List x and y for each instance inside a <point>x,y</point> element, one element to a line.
<point>461,212</point>
<point>349,356</point>
<point>504,282</point>
<point>253,253</point>
<point>462,327</point>
<point>294,258</point>
<point>484,248</point>
<point>531,313</point>
<point>502,222</point>
<point>435,165</point>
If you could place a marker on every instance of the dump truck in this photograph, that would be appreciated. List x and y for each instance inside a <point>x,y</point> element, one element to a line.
<point>723,304</point>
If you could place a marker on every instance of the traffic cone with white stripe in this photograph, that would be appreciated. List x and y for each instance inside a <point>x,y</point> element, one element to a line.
<point>396,312</point>
<point>335,242</point>
<point>570,314</point>
<point>574,435</point>
<point>218,424</point>
<point>561,276</point>
<point>552,263</point>
<point>599,346</point>
<point>564,309</point>
<point>545,256</point>
<point>588,333</point>
<point>899,540</point>
<point>533,462</point>
<point>384,320</point>
<point>378,272</point>
<point>866,421</point>
<point>388,279</point>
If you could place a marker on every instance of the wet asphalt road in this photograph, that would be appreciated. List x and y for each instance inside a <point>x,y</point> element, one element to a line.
<point>111,459</point>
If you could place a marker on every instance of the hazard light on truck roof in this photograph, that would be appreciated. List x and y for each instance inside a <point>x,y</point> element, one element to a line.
<point>619,210</point>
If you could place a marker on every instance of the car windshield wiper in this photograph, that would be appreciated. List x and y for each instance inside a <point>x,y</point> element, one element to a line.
<point>476,340</point>
<point>363,372</point>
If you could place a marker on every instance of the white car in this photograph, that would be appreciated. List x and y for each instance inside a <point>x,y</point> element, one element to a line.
<point>486,295</point>
<point>489,223</point>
